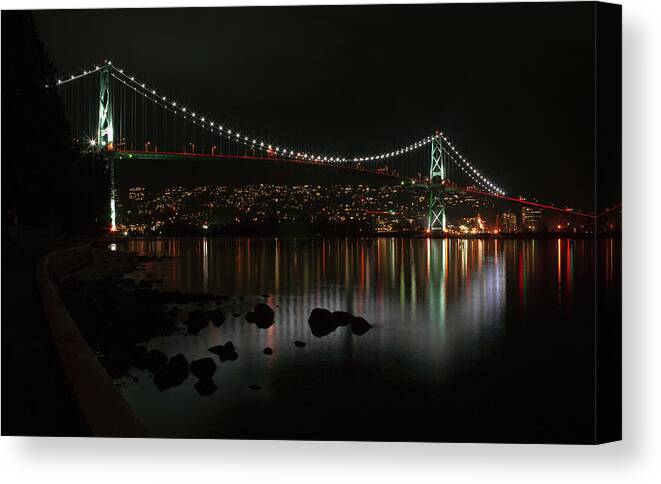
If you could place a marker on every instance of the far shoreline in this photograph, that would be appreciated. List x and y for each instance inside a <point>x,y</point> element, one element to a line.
<point>527,236</point>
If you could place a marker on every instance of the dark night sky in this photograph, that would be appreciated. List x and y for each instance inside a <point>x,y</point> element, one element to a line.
<point>512,84</point>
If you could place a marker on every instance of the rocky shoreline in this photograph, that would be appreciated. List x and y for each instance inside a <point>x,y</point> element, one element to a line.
<point>118,315</point>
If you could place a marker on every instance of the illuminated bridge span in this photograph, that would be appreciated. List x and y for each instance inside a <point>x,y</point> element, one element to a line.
<point>117,115</point>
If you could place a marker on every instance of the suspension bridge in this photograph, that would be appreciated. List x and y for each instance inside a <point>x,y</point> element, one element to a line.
<point>113,113</point>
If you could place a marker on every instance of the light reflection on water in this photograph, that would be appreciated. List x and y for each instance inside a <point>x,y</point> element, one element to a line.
<point>443,311</point>
<point>357,276</point>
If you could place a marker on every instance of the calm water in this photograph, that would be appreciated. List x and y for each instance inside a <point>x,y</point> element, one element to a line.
<point>472,340</point>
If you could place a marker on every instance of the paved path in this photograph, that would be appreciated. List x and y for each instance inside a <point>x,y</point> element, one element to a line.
<point>35,400</point>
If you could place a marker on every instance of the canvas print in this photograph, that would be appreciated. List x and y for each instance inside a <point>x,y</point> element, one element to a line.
<point>351,222</point>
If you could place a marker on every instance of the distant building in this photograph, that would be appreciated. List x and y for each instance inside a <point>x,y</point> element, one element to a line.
<point>472,225</point>
<point>508,223</point>
<point>531,219</point>
<point>137,194</point>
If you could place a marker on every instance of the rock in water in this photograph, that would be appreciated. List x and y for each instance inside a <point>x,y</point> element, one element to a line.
<point>343,318</point>
<point>155,359</point>
<point>205,386</point>
<point>263,312</point>
<point>225,352</point>
<point>197,320</point>
<point>179,362</point>
<point>216,316</point>
<point>267,351</point>
<point>166,378</point>
<point>359,326</point>
<point>299,344</point>
<point>262,316</point>
<point>172,374</point>
<point>322,322</point>
<point>320,315</point>
<point>203,368</point>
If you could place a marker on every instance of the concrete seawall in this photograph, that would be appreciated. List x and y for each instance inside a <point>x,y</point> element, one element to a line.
<point>103,410</point>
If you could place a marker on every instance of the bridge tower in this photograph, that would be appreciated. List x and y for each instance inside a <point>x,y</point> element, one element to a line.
<point>437,185</point>
<point>105,132</point>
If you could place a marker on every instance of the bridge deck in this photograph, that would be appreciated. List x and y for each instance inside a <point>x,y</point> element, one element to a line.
<point>156,155</point>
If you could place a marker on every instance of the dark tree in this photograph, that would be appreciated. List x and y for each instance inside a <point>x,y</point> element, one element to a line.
<point>42,183</point>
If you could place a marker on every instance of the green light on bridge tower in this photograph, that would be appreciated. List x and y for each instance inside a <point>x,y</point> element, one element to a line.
<point>437,186</point>
<point>105,133</point>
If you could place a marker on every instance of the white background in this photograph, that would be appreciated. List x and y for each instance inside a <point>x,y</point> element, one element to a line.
<point>635,459</point>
